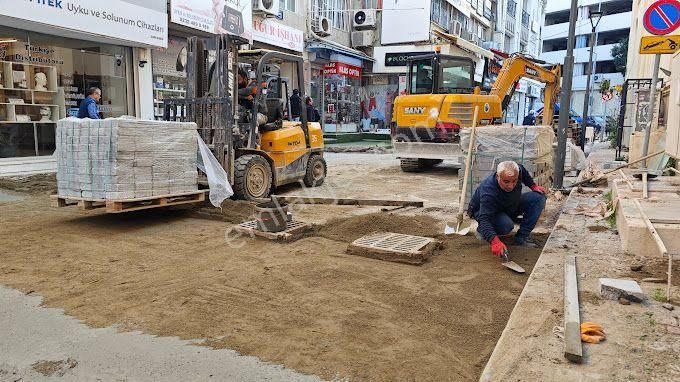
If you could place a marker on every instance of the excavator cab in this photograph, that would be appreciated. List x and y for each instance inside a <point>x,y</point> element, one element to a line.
<point>440,74</point>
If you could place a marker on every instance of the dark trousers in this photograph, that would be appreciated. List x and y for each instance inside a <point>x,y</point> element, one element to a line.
<point>531,205</point>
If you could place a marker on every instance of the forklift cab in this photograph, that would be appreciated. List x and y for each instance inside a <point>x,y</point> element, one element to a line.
<point>273,94</point>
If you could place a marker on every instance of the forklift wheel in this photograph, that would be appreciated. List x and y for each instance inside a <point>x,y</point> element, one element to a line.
<point>316,171</point>
<point>252,177</point>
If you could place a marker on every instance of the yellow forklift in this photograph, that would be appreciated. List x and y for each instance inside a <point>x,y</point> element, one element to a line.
<point>257,157</point>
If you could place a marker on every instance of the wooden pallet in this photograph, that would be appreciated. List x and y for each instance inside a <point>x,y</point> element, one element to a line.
<point>395,247</point>
<point>126,205</point>
<point>294,230</point>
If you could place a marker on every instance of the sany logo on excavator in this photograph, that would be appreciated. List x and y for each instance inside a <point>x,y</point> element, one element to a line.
<point>414,110</point>
<point>531,71</point>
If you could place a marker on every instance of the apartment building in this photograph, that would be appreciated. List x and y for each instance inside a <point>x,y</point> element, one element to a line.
<point>517,28</point>
<point>613,28</point>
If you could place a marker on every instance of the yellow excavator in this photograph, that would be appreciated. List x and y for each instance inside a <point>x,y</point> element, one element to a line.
<point>441,98</point>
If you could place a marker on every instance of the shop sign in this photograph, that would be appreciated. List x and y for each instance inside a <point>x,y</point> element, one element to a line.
<point>112,18</point>
<point>274,33</point>
<point>171,61</point>
<point>234,17</point>
<point>342,69</point>
<point>401,59</point>
<point>380,80</point>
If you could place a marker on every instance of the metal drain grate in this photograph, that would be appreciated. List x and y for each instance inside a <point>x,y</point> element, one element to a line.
<point>291,225</point>
<point>393,242</point>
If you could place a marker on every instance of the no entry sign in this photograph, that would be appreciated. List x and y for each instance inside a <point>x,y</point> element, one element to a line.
<point>662,17</point>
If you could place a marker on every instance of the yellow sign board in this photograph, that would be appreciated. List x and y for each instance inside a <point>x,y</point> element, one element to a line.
<point>660,44</point>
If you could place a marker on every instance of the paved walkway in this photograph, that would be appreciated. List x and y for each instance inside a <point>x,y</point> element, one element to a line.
<point>31,335</point>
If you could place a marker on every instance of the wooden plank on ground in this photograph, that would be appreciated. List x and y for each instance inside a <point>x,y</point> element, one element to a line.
<point>573,350</point>
<point>347,201</point>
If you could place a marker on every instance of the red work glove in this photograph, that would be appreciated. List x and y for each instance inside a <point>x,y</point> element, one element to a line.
<point>537,188</point>
<point>497,247</point>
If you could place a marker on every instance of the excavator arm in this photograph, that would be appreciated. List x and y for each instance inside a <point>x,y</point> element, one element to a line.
<point>519,66</point>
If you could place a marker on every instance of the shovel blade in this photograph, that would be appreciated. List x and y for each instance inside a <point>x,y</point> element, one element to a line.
<point>462,229</point>
<point>513,266</point>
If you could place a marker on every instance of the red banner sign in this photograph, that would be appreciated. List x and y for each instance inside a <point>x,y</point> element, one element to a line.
<point>342,69</point>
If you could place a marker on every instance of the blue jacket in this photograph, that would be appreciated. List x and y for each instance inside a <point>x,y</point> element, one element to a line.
<point>489,199</point>
<point>88,109</point>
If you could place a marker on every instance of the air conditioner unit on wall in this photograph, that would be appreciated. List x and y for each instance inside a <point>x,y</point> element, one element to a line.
<point>322,26</point>
<point>361,39</point>
<point>364,19</point>
<point>267,7</point>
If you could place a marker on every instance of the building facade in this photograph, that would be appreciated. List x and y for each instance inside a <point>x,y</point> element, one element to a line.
<point>517,28</point>
<point>402,29</point>
<point>52,52</point>
<point>613,28</point>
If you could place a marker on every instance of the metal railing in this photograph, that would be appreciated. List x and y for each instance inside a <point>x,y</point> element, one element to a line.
<point>510,25</point>
<point>512,8</point>
<point>524,35</point>
<point>525,18</point>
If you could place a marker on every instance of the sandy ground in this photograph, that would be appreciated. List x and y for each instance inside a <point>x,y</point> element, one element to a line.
<point>306,305</point>
<point>639,345</point>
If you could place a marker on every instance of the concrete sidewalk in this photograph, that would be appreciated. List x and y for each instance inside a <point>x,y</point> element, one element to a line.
<point>31,335</point>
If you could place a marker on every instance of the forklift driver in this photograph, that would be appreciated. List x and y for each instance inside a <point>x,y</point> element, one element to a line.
<point>247,92</point>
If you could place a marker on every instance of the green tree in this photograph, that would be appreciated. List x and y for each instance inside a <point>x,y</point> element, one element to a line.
<point>605,87</point>
<point>620,54</point>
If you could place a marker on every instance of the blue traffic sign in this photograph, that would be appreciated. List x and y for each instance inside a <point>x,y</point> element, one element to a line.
<point>662,17</point>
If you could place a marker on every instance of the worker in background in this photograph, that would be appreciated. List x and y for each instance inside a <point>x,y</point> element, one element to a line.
<point>247,91</point>
<point>530,119</point>
<point>88,106</point>
<point>499,200</point>
<point>295,105</point>
<point>312,112</point>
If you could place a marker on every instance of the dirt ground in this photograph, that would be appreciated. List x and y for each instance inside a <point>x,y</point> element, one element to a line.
<point>307,305</point>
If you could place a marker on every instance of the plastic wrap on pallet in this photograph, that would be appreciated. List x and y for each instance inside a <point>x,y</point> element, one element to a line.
<point>511,142</point>
<point>220,189</point>
<point>125,158</point>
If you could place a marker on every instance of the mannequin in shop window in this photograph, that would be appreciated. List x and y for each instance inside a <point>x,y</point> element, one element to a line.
<point>88,106</point>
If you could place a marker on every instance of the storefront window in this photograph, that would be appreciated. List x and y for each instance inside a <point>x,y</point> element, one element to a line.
<point>44,78</point>
<point>377,99</point>
<point>341,97</point>
<point>169,73</point>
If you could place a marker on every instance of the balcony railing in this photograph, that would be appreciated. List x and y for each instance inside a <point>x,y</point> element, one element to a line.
<point>510,25</point>
<point>525,18</point>
<point>512,8</point>
<point>524,35</point>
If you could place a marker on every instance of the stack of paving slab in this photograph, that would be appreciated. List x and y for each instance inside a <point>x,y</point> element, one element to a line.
<point>125,158</point>
<point>531,146</point>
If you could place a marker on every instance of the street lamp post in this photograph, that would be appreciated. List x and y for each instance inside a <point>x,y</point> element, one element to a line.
<point>594,17</point>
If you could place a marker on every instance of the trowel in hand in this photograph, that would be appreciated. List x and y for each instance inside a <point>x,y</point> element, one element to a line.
<point>511,264</point>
